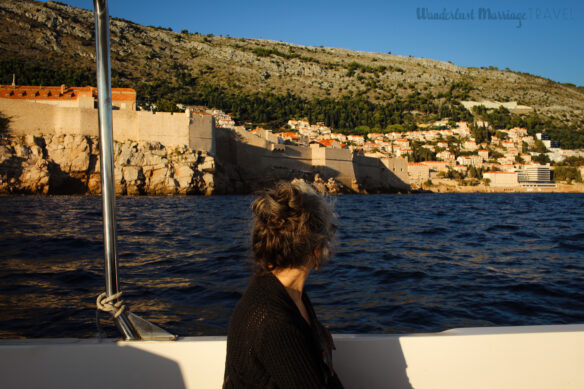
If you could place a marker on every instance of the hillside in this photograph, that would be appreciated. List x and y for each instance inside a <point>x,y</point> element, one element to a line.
<point>264,81</point>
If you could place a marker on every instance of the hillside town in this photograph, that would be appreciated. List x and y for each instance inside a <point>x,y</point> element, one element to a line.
<point>512,158</point>
<point>440,156</point>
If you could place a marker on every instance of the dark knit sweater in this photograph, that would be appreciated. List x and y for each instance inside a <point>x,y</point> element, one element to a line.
<point>270,345</point>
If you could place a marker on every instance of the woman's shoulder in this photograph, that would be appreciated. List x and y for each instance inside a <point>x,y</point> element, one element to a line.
<point>265,289</point>
<point>265,302</point>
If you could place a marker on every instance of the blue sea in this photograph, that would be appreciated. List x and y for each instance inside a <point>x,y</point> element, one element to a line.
<point>403,263</point>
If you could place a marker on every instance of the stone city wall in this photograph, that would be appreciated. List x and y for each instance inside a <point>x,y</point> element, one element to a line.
<point>178,129</point>
<point>249,162</point>
<point>261,162</point>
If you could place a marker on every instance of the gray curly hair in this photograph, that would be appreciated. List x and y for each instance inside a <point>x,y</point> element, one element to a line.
<point>293,227</point>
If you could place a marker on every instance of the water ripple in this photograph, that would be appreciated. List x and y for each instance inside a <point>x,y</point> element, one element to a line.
<point>402,264</point>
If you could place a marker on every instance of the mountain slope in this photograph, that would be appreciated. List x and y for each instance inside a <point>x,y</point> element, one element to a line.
<point>42,41</point>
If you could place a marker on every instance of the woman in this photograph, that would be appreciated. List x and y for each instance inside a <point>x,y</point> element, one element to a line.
<point>275,339</point>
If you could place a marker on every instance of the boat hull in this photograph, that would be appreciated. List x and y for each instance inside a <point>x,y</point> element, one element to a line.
<point>493,357</point>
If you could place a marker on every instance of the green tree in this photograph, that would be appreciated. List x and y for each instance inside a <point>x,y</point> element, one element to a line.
<point>572,161</point>
<point>542,159</point>
<point>420,153</point>
<point>540,147</point>
<point>451,174</point>
<point>480,133</point>
<point>163,105</point>
<point>493,154</point>
<point>474,172</point>
<point>566,173</point>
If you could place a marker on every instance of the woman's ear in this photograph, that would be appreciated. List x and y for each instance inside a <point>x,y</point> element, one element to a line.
<point>316,253</point>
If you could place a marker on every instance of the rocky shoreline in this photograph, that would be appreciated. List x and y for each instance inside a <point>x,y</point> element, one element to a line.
<point>452,188</point>
<point>69,164</point>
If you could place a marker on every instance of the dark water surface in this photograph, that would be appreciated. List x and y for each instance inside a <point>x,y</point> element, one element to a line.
<point>404,263</point>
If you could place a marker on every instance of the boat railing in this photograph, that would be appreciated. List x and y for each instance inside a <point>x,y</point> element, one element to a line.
<point>130,325</point>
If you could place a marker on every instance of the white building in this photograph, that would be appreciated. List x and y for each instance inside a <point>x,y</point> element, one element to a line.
<point>502,179</point>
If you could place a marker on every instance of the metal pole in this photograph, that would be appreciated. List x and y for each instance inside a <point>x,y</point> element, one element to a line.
<point>102,45</point>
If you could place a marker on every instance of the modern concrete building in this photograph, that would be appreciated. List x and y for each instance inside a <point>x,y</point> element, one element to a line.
<point>535,173</point>
<point>533,176</point>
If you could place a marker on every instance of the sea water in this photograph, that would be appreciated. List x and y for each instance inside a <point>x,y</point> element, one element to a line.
<point>403,263</point>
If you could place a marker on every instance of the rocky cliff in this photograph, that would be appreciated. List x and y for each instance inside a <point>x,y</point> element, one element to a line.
<point>69,164</point>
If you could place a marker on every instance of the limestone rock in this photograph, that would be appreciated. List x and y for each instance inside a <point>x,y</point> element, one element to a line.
<point>208,164</point>
<point>333,187</point>
<point>64,164</point>
<point>184,177</point>
<point>319,184</point>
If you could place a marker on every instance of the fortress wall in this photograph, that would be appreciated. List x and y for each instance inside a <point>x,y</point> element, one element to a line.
<point>255,159</point>
<point>258,163</point>
<point>336,163</point>
<point>251,139</point>
<point>381,174</point>
<point>73,103</point>
<point>164,127</point>
<point>292,158</point>
<point>169,129</point>
<point>398,166</point>
<point>125,125</point>
<point>251,154</point>
<point>30,118</point>
<point>367,169</point>
<point>225,146</point>
<point>264,163</point>
<point>202,134</point>
<point>339,164</point>
<point>318,156</point>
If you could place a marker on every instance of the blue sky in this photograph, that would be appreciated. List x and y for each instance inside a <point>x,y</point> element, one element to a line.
<point>549,41</point>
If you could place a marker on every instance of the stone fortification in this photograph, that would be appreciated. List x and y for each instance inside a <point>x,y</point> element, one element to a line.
<point>69,164</point>
<point>172,130</point>
<point>259,162</point>
<point>53,149</point>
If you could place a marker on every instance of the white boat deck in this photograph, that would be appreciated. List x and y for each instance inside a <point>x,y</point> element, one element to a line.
<point>494,357</point>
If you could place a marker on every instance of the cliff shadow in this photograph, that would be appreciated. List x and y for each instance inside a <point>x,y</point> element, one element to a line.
<point>61,183</point>
<point>11,168</point>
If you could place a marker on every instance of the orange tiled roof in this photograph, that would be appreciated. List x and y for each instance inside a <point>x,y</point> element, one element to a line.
<point>291,135</point>
<point>60,93</point>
